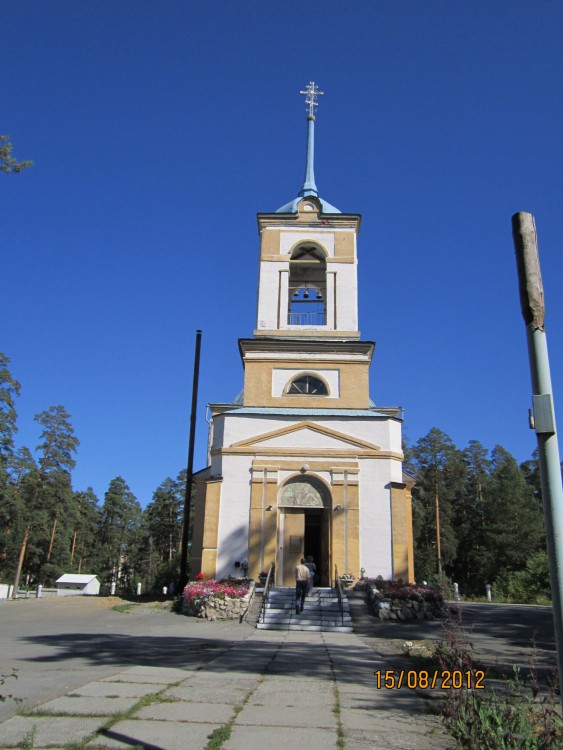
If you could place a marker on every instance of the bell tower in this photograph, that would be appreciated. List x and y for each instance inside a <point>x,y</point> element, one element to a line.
<point>303,462</point>
<point>308,283</point>
<point>306,342</point>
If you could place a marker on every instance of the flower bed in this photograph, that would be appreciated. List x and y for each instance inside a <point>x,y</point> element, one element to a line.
<point>391,600</point>
<point>217,600</point>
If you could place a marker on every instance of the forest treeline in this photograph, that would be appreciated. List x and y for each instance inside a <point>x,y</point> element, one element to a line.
<point>487,507</point>
<point>47,528</point>
<point>490,515</point>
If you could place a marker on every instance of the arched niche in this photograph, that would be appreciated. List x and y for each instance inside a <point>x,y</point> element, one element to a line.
<point>304,492</point>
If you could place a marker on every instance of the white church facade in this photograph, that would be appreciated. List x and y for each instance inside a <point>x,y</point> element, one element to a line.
<point>304,463</point>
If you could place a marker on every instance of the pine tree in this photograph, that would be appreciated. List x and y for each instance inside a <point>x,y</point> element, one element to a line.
<point>46,488</point>
<point>436,462</point>
<point>513,521</point>
<point>470,520</point>
<point>164,519</point>
<point>120,521</point>
<point>8,164</point>
<point>84,546</point>
<point>9,390</point>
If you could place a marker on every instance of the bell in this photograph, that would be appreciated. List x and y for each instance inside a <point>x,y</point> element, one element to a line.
<point>319,295</point>
<point>306,294</point>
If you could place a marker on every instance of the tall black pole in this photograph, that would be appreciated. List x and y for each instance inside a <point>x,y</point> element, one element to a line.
<point>189,476</point>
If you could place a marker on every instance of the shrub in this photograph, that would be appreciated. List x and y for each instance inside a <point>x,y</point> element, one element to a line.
<point>528,586</point>
<point>168,571</point>
<point>486,720</point>
<point>399,590</point>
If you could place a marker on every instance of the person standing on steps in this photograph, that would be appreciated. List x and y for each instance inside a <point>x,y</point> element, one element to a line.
<point>312,570</point>
<point>301,585</point>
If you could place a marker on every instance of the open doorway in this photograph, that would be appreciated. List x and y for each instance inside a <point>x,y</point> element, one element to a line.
<point>317,543</point>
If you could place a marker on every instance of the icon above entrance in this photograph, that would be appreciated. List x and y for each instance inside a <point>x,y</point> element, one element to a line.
<point>304,493</point>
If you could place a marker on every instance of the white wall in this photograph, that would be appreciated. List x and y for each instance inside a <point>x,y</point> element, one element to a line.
<point>385,433</point>
<point>375,517</point>
<point>234,514</point>
<point>374,478</point>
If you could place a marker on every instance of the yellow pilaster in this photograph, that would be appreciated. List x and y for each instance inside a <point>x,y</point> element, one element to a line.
<point>257,491</point>
<point>211,528</point>
<point>337,535</point>
<point>197,532</point>
<point>401,520</point>
<point>353,529</point>
<point>345,522</point>
<point>270,524</point>
<point>262,529</point>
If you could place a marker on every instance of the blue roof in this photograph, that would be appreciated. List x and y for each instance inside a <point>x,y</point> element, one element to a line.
<point>291,207</point>
<point>309,412</point>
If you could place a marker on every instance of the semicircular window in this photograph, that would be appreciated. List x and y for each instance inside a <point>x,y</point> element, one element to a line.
<point>308,385</point>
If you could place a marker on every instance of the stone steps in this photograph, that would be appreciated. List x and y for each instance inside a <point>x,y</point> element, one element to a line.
<point>321,612</point>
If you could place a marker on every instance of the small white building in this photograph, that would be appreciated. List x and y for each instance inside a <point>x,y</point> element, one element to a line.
<point>72,584</point>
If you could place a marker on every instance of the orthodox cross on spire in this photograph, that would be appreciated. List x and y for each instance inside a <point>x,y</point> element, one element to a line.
<point>311,93</point>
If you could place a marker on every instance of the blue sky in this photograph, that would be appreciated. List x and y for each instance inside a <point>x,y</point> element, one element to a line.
<point>159,130</point>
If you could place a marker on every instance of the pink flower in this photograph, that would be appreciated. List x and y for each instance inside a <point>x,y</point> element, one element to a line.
<point>207,588</point>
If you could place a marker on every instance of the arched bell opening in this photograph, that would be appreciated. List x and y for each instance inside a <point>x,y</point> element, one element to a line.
<point>305,527</point>
<point>307,287</point>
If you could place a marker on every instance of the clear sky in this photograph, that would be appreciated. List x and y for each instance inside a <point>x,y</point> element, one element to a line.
<point>159,130</point>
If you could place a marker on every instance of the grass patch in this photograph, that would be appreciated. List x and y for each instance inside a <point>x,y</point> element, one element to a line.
<point>516,718</point>
<point>539,600</point>
<point>124,608</point>
<point>340,742</point>
<point>29,739</point>
<point>336,710</point>
<point>146,700</point>
<point>511,721</point>
<point>219,737</point>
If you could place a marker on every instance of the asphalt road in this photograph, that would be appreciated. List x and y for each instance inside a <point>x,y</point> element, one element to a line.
<point>501,635</point>
<point>57,645</point>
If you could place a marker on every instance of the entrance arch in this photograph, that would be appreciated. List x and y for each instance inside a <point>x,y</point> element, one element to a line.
<point>305,521</point>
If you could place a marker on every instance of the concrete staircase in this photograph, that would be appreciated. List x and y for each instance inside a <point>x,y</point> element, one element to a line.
<point>321,612</point>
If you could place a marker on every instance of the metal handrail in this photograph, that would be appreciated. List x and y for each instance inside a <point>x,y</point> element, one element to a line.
<point>269,577</point>
<point>339,593</point>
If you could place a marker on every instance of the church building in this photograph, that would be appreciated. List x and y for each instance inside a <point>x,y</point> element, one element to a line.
<point>304,462</point>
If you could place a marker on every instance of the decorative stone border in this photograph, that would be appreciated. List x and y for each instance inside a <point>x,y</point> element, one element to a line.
<point>212,608</point>
<point>403,610</point>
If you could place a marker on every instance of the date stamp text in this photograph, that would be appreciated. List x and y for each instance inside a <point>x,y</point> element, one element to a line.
<point>442,679</point>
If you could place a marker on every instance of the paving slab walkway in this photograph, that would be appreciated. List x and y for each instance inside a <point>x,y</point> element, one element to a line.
<point>274,690</point>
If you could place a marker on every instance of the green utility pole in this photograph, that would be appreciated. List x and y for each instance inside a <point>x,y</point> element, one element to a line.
<point>542,417</point>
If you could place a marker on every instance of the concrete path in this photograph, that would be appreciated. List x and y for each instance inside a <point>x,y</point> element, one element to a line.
<point>272,690</point>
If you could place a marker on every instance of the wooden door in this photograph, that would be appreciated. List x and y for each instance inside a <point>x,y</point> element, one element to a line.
<point>293,544</point>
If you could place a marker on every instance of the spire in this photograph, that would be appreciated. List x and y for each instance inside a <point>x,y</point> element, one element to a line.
<point>311,93</point>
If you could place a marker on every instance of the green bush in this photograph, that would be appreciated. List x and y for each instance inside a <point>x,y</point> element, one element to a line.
<point>503,722</point>
<point>168,571</point>
<point>528,586</point>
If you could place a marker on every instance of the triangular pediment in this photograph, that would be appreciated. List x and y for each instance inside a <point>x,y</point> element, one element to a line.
<point>306,435</point>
